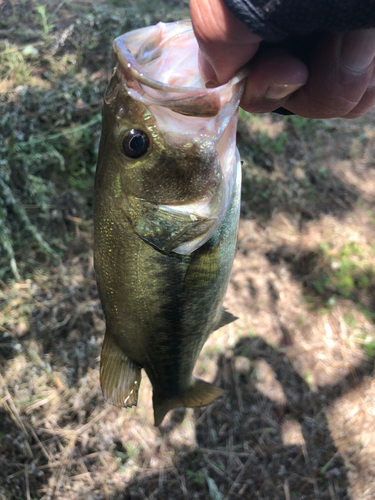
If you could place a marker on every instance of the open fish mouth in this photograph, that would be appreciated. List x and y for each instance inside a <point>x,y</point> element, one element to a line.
<point>167,60</point>
<point>159,68</point>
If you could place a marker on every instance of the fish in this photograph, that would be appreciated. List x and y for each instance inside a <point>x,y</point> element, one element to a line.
<point>166,212</point>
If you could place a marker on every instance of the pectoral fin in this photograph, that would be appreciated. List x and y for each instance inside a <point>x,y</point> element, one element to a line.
<point>119,376</point>
<point>165,228</point>
<point>200,394</point>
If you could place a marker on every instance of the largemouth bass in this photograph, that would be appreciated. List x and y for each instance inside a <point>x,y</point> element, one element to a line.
<point>167,197</point>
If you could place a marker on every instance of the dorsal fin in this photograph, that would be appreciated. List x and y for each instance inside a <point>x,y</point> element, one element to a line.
<point>225,318</point>
<point>119,376</point>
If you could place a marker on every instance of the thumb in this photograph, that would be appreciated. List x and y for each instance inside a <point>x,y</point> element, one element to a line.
<point>225,43</point>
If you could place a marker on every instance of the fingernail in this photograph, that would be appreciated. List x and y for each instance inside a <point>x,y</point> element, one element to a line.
<point>278,91</point>
<point>358,49</point>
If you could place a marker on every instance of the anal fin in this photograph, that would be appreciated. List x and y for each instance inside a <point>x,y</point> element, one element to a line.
<point>200,394</point>
<point>119,376</point>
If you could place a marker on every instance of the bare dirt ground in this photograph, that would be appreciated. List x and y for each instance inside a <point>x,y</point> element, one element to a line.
<point>297,420</point>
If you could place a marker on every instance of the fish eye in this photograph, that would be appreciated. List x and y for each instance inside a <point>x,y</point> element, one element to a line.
<point>135,143</point>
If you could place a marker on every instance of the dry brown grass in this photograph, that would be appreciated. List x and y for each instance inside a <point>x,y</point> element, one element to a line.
<point>297,419</point>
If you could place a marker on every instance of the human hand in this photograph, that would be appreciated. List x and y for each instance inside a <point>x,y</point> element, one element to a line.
<point>338,80</point>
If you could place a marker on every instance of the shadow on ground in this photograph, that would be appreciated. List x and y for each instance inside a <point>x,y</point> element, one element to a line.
<point>291,174</point>
<point>267,438</point>
<point>253,445</point>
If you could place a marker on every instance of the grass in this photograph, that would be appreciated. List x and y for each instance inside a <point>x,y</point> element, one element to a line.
<point>47,27</point>
<point>297,417</point>
<point>53,72</point>
<point>345,271</point>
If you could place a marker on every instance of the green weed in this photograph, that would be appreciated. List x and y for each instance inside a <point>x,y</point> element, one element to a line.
<point>368,313</point>
<point>244,115</point>
<point>213,436</point>
<point>349,319</point>
<point>132,451</point>
<point>340,273</point>
<point>263,142</point>
<point>367,343</point>
<point>28,173</point>
<point>14,67</point>
<point>195,476</point>
<point>323,173</point>
<point>49,137</point>
<point>321,284</point>
<point>358,145</point>
<point>305,128</point>
<point>47,27</point>
<point>344,271</point>
<point>369,348</point>
<point>213,490</point>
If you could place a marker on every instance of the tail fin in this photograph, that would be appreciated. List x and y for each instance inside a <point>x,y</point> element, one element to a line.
<point>200,394</point>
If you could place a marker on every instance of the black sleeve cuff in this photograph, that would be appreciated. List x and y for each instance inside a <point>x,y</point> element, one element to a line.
<point>274,20</point>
